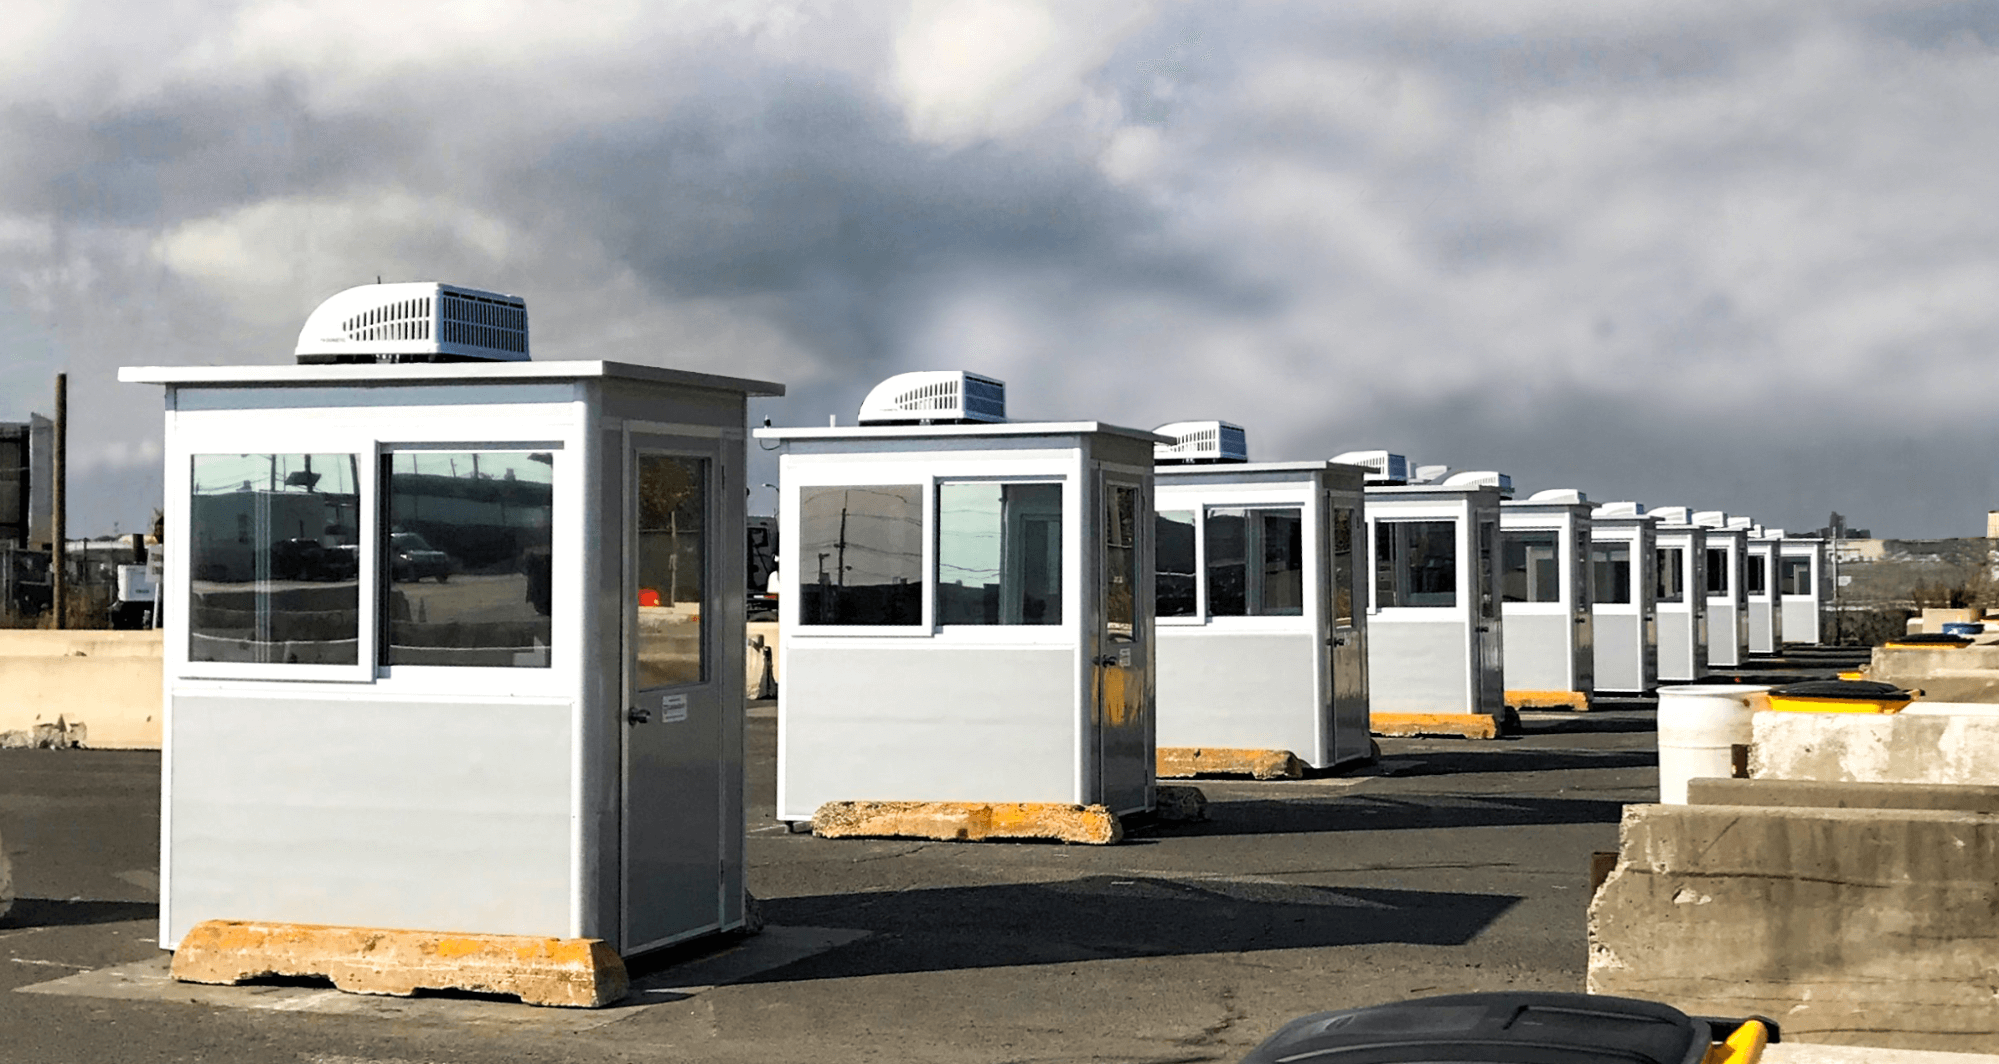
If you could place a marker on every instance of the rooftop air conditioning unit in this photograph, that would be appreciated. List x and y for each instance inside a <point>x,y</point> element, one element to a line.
<point>1712,519</point>
<point>416,321</point>
<point>929,397</point>
<point>1382,467</point>
<point>1567,496</point>
<point>1744,523</point>
<point>1430,474</point>
<point>1675,515</point>
<point>1201,441</point>
<point>1484,478</point>
<point>1619,509</point>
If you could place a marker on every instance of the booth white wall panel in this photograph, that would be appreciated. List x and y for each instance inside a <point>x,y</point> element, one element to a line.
<point>1246,687</point>
<point>1620,664</point>
<point>963,726</point>
<point>1418,666</point>
<point>1536,650</point>
<point>434,814</point>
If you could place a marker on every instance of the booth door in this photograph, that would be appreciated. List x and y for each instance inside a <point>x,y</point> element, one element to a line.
<point>1123,726</point>
<point>1488,661</point>
<point>674,749</point>
<point>1349,638</point>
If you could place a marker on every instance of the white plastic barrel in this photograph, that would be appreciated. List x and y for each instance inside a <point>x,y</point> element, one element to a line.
<point>1699,727</point>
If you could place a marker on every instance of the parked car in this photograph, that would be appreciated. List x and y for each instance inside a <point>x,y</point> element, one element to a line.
<point>411,558</point>
<point>308,559</point>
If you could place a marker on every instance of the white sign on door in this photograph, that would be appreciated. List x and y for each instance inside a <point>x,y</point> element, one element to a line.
<point>672,708</point>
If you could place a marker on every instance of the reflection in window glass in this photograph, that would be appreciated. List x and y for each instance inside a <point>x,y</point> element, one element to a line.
<point>1717,571</point>
<point>1273,584</point>
<point>1753,567</point>
<point>275,559</point>
<point>1610,571</point>
<point>860,555</point>
<point>999,553</point>
<point>1173,546</point>
<point>1416,563</point>
<point>1343,567</point>
<point>1488,594</point>
<point>1795,576</point>
<point>1121,564</point>
<point>467,557</point>
<point>672,569</point>
<point>1671,586</point>
<point>1532,570</point>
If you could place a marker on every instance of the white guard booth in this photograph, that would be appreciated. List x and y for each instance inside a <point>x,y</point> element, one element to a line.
<point>1262,625</point>
<point>1624,585</point>
<point>1727,591</point>
<point>1434,641</point>
<point>966,605</point>
<point>1680,593</point>
<point>1545,600</point>
<point>1805,581</point>
<point>452,646</point>
<point>1760,565</point>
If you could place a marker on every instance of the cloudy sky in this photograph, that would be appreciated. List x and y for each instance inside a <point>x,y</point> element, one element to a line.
<point>1736,255</point>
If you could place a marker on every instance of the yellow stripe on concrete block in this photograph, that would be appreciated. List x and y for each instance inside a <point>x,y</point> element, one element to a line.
<point>968,821</point>
<point>1180,762</point>
<point>1465,725</point>
<point>572,972</point>
<point>1576,700</point>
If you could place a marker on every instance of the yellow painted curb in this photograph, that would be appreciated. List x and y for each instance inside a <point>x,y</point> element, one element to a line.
<point>1180,762</point>
<point>1576,700</point>
<point>968,821</point>
<point>1466,725</point>
<point>571,972</point>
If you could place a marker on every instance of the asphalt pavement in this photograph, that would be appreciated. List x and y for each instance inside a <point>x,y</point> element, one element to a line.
<point>1450,865</point>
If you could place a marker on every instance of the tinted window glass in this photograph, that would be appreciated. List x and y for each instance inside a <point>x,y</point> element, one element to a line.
<point>1173,549</point>
<point>999,554</point>
<point>274,559</point>
<point>1120,563</point>
<point>1796,574</point>
<point>859,555</point>
<point>467,557</point>
<point>1343,566</point>
<point>1256,562</point>
<point>1418,563</point>
<point>1532,571</point>
<point>1610,570</point>
<point>1671,585</point>
<point>1717,571</point>
<point>672,569</point>
<point>1753,573</point>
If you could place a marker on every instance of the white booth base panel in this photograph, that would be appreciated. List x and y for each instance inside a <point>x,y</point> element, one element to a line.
<point>1676,649</point>
<point>1419,667</point>
<point>1760,616</point>
<point>999,725</point>
<point>1248,691</point>
<point>424,815</point>
<point>1620,654</point>
<point>1801,621</point>
<point>1726,635</point>
<point>1536,651</point>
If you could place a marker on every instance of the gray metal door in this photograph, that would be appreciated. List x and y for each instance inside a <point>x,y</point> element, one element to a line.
<point>1346,544</point>
<point>1123,700</point>
<point>1582,594</point>
<point>673,765</point>
<point>1489,685</point>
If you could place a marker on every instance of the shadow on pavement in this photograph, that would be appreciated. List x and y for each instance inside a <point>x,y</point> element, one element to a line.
<point>48,912</point>
<point>1108,917</point>
<point>1388,813</point>
<point>1434,762</point>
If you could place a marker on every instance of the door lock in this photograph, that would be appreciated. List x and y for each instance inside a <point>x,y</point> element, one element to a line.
<point>635,715</point>
<point>1108,661</point>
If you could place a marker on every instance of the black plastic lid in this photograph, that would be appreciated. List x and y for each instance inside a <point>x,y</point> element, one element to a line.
<point>1497,1028</point>
<point>1940,638</point>
<point>1768,679</point>
<point>1866,690</point>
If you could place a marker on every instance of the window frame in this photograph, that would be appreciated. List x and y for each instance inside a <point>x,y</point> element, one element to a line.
<point>1462,546</point>
<point>934,551</point>
<point>639,446</point>
<point>1561,539</point>
<point>1197,498</point>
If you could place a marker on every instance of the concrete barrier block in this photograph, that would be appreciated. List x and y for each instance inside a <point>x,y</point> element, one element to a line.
<point>968,821</point>
<point>95,688</point>
<point>1462,725</point>
<point>1181,762</point>
<point>571,972</point>
<point>1875,748</point>
<point>1944,674</point>
<point>6,881</point>
<point>1575,700</point>
<point>1849,926</point>
<point>1823,795</point>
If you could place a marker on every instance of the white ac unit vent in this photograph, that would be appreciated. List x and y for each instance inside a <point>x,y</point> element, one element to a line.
<point>1675,515</point>
<point>1566,496</point>
<point>1619,509</point>
<point>1744,523</point>
<point>1429,474</point>
<point>933,397</point>
<point>416,321</point>
<point>1201,441</point>
<point>1711,519</point>
<point>1382,467</point>
<point>1483,478</point>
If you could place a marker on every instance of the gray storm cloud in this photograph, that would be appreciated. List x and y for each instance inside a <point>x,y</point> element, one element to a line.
<point>1736,255</point>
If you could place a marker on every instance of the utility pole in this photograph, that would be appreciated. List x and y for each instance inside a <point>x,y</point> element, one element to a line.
<point>59,503</point>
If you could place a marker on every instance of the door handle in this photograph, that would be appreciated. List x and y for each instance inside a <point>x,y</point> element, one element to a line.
<point>1108,661</point>
<point>635,715</point>
<point>1339,639</point>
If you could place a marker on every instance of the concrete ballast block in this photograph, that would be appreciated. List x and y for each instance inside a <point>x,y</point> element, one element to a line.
<point>1875,748</point>
<point>1576,700</point>
<point>572,972</point>
<point>1463,725</point>
<point>1180,762</point>
<point>6,881</point>
<point>1855,926</point>
<point>968,821</point>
